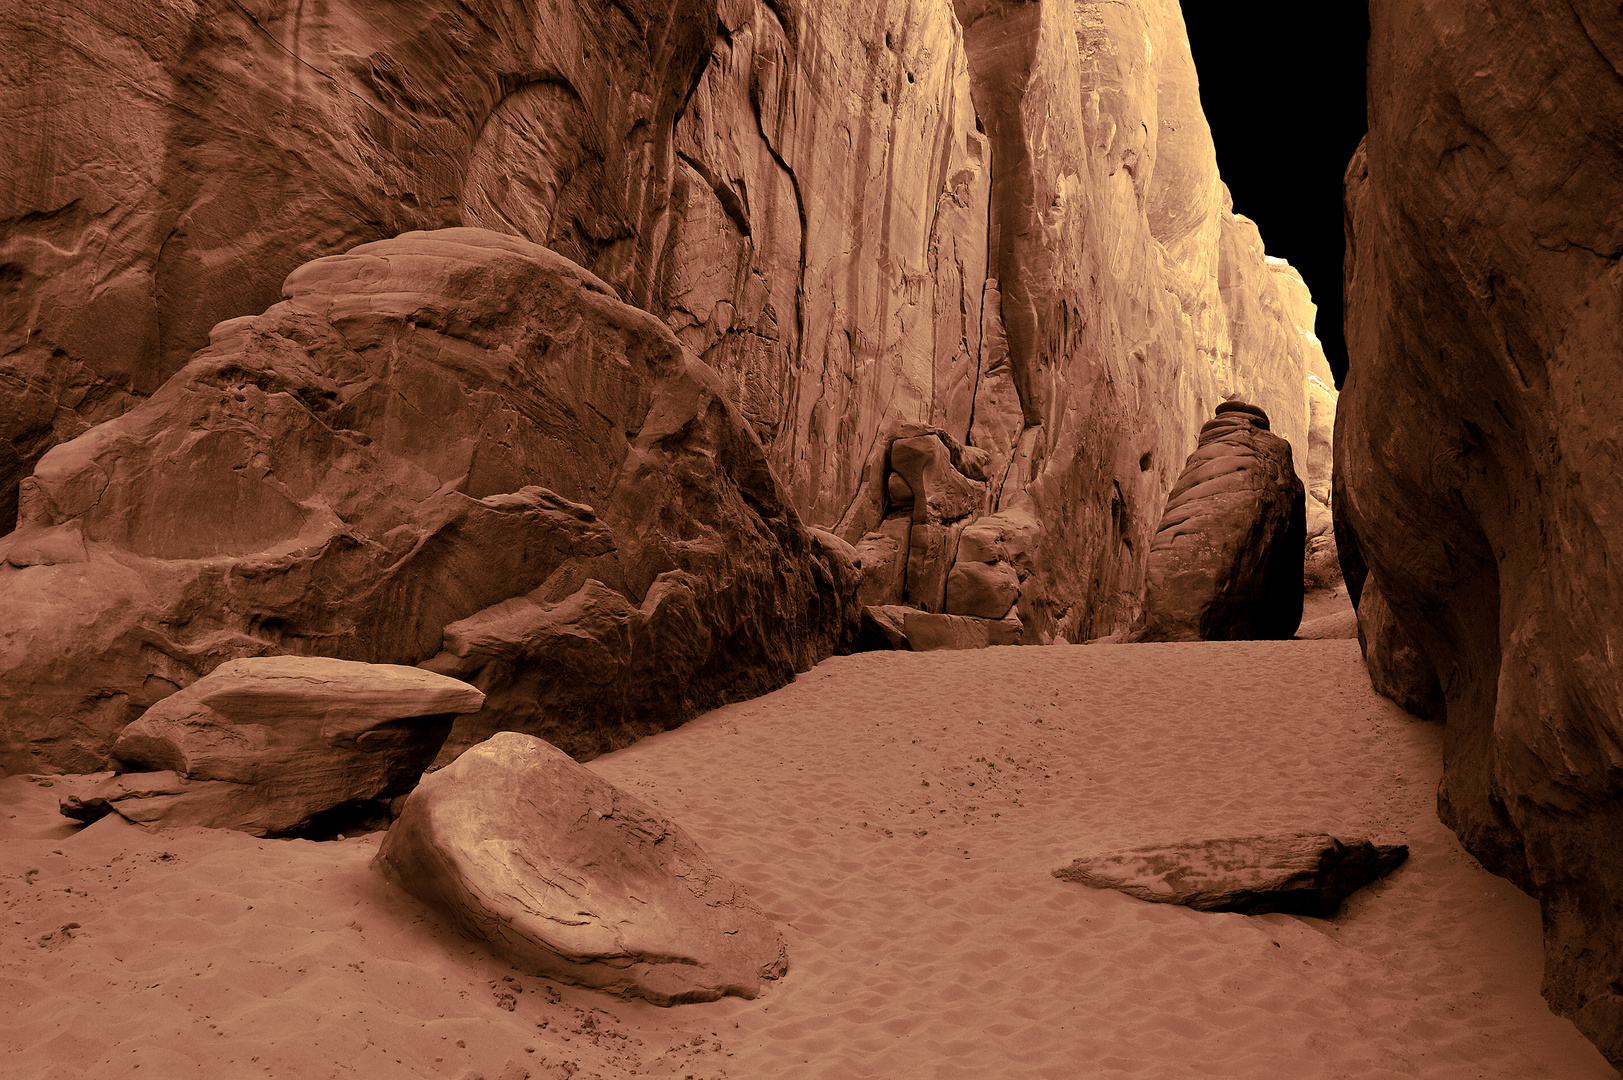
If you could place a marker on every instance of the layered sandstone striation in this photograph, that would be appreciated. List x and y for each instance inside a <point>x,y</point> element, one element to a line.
<point>1478,469</point>
<point>358,473</point>
<point>1226,562</point>
<point>998,221</point>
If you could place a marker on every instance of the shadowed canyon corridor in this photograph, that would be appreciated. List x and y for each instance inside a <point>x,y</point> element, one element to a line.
<point>751,538</point>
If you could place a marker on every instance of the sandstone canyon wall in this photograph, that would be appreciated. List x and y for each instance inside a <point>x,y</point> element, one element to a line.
<point>1478,469</point>
<point>995,223</point>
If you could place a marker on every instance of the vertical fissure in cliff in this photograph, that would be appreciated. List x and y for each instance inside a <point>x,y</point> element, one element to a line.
<point>1000,40</point>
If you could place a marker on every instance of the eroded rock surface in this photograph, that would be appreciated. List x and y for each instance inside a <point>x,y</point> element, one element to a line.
<point>1299,874</point>
<point>167,166</point>
<point>999,220</point>
<point>1227,560</point>
<point>452,446</point>
<point>269,744</point>
<point>903,628</point>
<point>1478,457</point>
<point>568,877</point>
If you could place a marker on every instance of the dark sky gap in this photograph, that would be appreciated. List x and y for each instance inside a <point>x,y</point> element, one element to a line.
<point>1283,90</point>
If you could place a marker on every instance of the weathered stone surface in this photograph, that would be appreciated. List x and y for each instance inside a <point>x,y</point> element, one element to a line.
<point>1299,873</point>
<point>927,632</point>
<point>1397,667</point>
<point>882,628</point>
<point>568,877</point>
<point>931,551</point>
<point>940,492</point>
<point>267,745</point>
<point>905,628</point>
<point>1227,560</point>
<point>1009,536</point>
<point>1319,463</point>
<point>1478,457</point>
<point>168,165</point>
<point>884,562</point>
<point>803,193</point>
<point>986,590</point>
<point>359,473</point>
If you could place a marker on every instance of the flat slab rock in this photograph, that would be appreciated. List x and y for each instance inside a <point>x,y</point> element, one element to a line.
<point>893,626</point>
<point>267,744</point>
<point>568,877</point>
<point>1298,873</point>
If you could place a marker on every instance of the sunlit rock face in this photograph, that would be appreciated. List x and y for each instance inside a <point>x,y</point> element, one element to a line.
<point>1478,439</point>
<point>1001,220</point>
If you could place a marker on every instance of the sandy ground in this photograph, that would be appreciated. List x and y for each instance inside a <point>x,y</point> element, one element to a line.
<point>899,814</point>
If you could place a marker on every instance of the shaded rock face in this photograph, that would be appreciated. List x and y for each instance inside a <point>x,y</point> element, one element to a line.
<point>1298,874</point>
<point>168,165</point>
<point>1227,560</point>
<point>454,447</point>
<point>1477,453</point>
<point>903,628</point>
<point>1002,221</point>
<point>567,877</point>
<point>267,745</point>
<point>1397,668</point>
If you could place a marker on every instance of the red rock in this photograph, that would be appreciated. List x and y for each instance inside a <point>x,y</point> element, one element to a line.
<point>884,562</point>
<point>1397,667</point>
<point>905,628</point>
<point>1477,457</point>
<point>567,877</point>
<point>1299,873</point>
<point>986,590</point>
<point>941,493</point>
<point>157,186</point>
<point>370,454</point>
<point>824,251</point>
<point>927,632</point>
<point>268,745</point>
<point>930,554</point>
<point>1227,560</point>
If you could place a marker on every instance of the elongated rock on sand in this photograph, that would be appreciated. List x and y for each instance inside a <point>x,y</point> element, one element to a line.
<point>1299,874</point>
<point>568,877</point>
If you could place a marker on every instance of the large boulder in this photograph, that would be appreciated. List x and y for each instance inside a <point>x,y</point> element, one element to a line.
<point>269,744</point>
<point>568,877</point>
<point>454,447</point>
<point>167,165</point>
<point>1294,873</point>
<point>1478,462</point>
<point>1227,560</point>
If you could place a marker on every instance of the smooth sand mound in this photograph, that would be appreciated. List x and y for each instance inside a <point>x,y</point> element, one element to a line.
<point>900,814</point>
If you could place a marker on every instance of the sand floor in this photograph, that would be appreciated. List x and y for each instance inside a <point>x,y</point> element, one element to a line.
<point>899,814</point>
